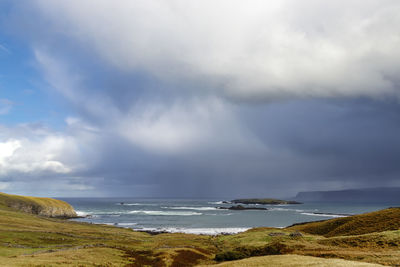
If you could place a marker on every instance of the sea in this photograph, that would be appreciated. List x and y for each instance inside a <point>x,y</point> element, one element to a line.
<point>203,216</point>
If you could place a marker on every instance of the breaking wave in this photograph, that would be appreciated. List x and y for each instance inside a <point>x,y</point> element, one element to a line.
<point>219,202</point>
<point>190,208</point>
<point>136,204</point>
<point>325,214</point>
<point>164,213</point>
<point>198,231</point>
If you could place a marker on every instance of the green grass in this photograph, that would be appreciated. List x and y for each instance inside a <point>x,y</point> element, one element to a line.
<point>294,261</point>
<point>32,240</point>
<point>37,205</point>
<point>384,220</point>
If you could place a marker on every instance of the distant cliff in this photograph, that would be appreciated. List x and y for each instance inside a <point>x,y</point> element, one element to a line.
<point>38,205</point>
<point>376,195</point>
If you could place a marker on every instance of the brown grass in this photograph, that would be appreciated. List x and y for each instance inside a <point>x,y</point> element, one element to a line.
<point>33,240</point>
<point>293,261</point>
<point>186,258</point>
<point>379,221</point>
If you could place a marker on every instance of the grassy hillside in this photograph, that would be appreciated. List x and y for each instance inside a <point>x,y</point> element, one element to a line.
<point>294,261</point>
<point>37,205</point>
<point>31,240</point>
<point>384,220</point>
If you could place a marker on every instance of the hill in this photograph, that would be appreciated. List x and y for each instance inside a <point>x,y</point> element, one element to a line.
<point>294,261</point>
<point>27,239</point>
<point>38,205</point>
<point>379,221</point>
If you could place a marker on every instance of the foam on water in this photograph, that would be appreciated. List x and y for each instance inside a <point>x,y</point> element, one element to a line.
<point>164,213</point>
<point>126,224</point>
<point>82,213</point>
<point>219,202</point>
<point>284,209</point>
<point>324,215</point>
<point>201,216</point>
<point>191,208</point>
<point>136,204</point>
<point>198,231</point>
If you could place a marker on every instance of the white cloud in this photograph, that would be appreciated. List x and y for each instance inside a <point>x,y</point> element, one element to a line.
<point>35,154</point>
<point>153,125</point>
<point>257,49</point>
<point>7,149</point>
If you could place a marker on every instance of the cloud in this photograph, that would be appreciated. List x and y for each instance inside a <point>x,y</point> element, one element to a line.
<point>209,98</point>
<point>184,125</point>
<point>35,153</point>
<point>260,50</point>
<point>4,185</point>
<point>157,125</point>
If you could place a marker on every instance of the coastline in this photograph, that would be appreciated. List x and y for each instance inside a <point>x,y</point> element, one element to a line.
<point>32,239</point>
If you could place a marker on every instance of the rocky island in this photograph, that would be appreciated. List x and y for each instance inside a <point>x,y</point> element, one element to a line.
<point>264,201</point>
<point>240,207</point>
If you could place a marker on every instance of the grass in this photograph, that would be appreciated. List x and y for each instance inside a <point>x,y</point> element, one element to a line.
<point>32,240</point>
<point>37,205</point>
<point>294,261</point>
<point>77,257</point>
<point>384,220</point>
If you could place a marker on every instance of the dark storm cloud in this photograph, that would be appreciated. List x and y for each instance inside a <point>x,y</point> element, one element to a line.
<point>165,104</point>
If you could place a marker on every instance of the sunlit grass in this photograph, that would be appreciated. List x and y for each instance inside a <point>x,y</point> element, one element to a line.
<point>34,240</point>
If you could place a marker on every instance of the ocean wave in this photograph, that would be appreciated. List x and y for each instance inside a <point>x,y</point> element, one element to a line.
<point>100,213</point>
<point>116,224</point>
<point>109,213</point>
<point>197,231</point>
<point>164,213</point>
<point>324,214</point>
<point>190,208</point>
<point>283,209</point>
<point>136,204</point>
<point>280,209</point>
<point>126,224</point>
<point>219,202</point>
<point>83,213</point>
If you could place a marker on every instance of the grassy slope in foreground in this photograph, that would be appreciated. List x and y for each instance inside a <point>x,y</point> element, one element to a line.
<point>270,201</point>
<point>31,240</point>
<point>38,205</point>
<point>294,261</point>
<point>383,220</point>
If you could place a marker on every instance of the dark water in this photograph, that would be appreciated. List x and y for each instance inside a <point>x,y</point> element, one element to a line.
<point>203,217</point>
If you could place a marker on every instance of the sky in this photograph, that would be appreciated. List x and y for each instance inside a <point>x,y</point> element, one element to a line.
<point>199,99</point>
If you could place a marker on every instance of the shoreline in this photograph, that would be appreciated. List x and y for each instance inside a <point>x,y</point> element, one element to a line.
<point>208,231</point>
